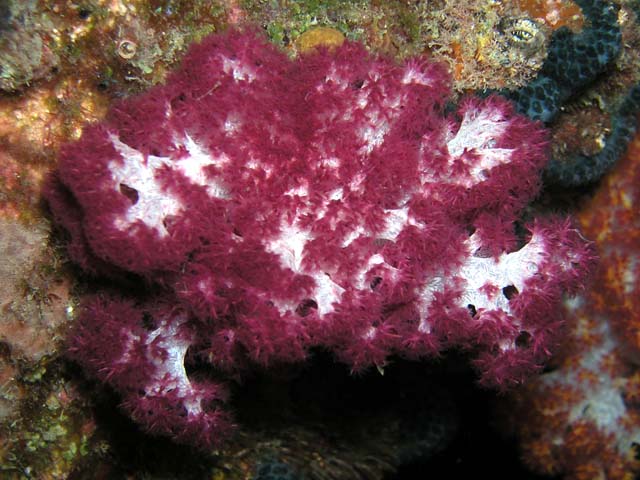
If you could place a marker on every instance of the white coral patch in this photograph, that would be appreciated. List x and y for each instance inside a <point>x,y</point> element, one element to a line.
<point>425,296</point>
<point>193,167</point>
<point>289,246</point>
<point>170,374</point>
<point>237,69</point>
<point>331,162</point>
<point>154,203</point>
<point>326,293</point>
<point>478,130</point>
<point>478,133</point>
<point>379,119</point>
<point>395,221</point>
<point>355,233</point>
<point>332,196</point>
<point>413,75</point>
<point>509,269</point>
<point>301,190</point>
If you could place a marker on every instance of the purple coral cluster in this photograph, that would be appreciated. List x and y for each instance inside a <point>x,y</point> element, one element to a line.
<point>276,205</point>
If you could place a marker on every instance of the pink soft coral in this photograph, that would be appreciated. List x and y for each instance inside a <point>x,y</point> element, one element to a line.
<point>328,201</point>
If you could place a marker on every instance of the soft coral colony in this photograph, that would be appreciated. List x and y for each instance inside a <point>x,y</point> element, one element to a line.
<point>334,201</point>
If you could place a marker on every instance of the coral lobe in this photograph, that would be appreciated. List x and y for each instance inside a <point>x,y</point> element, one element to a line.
<point>281,205</point>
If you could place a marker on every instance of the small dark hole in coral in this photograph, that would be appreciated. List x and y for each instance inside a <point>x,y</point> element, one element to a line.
<point>390,308</point>
<point>381,242</point>
<point>130,193</point>
<point>169,221</point>
<point>482,252</point>
<point>472,309</point>
<point>177,100</point>
<point>148,322</point>
<point>195,365</point>
<point>523,236</point>
<point>198,363</point>
<point>471,230</point>
<point>375,282</point>
<point>510,292</point>
<point>210,406</point>
<point>357,84</point>
<point>523,340</point>
<point>306,306</point>
<point>84,13</point>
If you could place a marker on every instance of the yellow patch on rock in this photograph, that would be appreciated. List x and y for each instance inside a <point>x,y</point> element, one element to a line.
<point>319,36</point>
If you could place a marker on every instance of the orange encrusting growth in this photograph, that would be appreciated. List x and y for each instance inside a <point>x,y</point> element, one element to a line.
<point>554,13</point>
<point>612,219</point>
<point>582,419</point>
<point>458,65</point>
